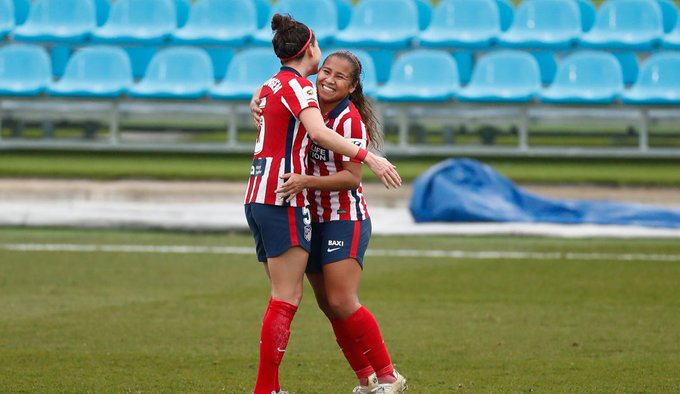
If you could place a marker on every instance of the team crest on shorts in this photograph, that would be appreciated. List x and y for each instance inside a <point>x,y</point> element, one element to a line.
<point>308,233</point>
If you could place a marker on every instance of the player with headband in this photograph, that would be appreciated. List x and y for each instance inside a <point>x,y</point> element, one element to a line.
<point>280,225</point>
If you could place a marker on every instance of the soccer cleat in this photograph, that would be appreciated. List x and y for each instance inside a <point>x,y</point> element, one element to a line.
<point>372,385</point>
<point>398,387</point>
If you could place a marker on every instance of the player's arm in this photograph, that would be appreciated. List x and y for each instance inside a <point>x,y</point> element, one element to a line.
<point>347,179</point>
<point>329,139</point>
<point>255,109</point>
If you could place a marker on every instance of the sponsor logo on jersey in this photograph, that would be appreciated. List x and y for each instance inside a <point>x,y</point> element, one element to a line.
<point>258,167</point>
<point>318,153</point>
<point>361,143</point>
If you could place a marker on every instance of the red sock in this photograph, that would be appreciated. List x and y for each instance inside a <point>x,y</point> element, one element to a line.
<point>352,350</point>
<point>273,342</point>
<point>364,329</point>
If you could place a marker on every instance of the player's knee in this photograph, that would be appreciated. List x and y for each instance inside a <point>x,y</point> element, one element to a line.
<point>342,305</point>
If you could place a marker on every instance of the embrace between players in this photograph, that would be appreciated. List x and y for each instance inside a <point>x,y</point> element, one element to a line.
<point>305,207</point>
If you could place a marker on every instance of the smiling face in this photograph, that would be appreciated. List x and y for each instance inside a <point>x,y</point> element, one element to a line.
<point>335,80</point>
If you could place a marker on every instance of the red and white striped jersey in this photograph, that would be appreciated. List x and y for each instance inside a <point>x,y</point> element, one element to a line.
<point>338,205</point>
<point>282,142</point>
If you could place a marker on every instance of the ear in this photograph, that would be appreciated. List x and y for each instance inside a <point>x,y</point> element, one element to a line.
<point>353,88</point>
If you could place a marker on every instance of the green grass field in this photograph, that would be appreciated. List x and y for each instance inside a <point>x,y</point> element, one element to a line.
<point>223,167</point>
<point>558,315</point>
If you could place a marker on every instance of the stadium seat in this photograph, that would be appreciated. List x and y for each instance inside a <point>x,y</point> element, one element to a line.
<point>462,23</point>
<point>100,71</point>
<point>672,39</point>
<point>424,13</point>
<point>103,7</point>
<point>506,12</point>
<point>669,13</point>
<point>344,8</point>
<point>658,83</point>
<point>176,73</point>
<point>588,13</point>
<point>69,21</point>
<point>247,71</point>
<point>6,17</point>
<point>503,76</point>
<point>387,24</point>
<point>545,24</point>
<point>320,15</point>
<point>626,24</point>
<point>421,75</point>
<point>219,22</point>
<point>263,7</point>
<point>138,22</point>
<point>25,70</point>
<point>586,77</point>
<point>182,9</point>
<point>21,11</point>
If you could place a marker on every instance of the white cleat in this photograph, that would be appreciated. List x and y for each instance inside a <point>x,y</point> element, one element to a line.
<point>372,385</point>
<point>398,387</point>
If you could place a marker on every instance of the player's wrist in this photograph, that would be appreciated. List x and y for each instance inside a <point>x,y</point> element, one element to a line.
<point>361,155</point>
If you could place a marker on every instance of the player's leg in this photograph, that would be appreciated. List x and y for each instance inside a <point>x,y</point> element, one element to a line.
<point>285,241</point>
<point>342,278</point>
<point>351,349</point>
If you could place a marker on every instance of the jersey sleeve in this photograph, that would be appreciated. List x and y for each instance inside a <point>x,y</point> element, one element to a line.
<point>354,129</point>
<point>299,94</point>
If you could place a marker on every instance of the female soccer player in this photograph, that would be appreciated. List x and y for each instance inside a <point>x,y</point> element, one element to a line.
<point>341,226</point>
<point>281,227</point>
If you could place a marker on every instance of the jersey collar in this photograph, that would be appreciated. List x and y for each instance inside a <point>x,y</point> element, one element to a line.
<point>335,112</point>
<point>291,69</point>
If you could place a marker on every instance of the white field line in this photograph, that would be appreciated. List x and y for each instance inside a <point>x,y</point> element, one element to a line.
<point>242,250</point>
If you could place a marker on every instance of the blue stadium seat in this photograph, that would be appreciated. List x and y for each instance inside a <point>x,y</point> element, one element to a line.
<point>70,21</point>
<point>176,72</point>
<point>263,7</point>
<point>586,77</point>
<point>588,12</point>
<point>626,24</point>
<point>463,23</point>
<point>320,15</point>
<point>424,13</point>
<point>672,39</point>
<point>25,70</point>
<point>344,8</point>
<point>21,10</point>
<point>546,24</point>
<point>100,71</point>
<point>6,17</point>
<point>422,75</point>
<point>103,7</point>
<point>182,8</point>
<point>138,22</point>
<point>507,13</point>
<point>387,24</point>
<point>669,13</point>
<point>247,71</point>
<point>219,22</point>
<point>503,76</point>
<point>658,83</point>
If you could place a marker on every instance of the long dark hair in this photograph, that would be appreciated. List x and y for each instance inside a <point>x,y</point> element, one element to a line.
<point>360,101</point>
<point>290,38</point>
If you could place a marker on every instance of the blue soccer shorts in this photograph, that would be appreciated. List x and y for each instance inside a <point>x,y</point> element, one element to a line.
<point>277,229</point>
<point>338,240</point>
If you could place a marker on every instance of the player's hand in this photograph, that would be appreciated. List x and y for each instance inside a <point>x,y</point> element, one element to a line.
<point>292,185</point>
<point>256,111</point>
<point>386,171</point>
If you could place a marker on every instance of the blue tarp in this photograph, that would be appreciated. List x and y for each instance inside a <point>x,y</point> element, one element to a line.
<point>465,190</point>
